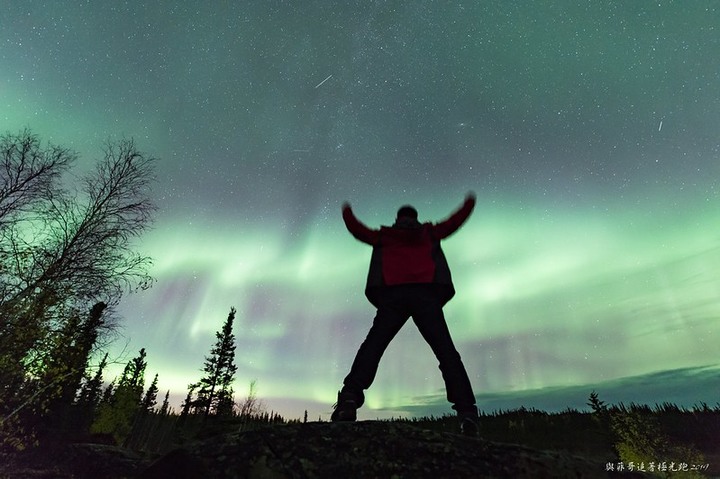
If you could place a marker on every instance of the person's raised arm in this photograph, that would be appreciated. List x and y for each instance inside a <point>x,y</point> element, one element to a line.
<point>449,226</point>
<point>356,228</point>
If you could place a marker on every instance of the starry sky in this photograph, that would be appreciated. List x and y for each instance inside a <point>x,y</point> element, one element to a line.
<point>590,132</point>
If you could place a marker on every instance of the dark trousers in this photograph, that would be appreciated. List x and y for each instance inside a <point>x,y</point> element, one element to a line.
<point>395,307</point>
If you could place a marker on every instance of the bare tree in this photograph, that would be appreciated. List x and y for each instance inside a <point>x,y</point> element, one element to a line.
<point>251,405</point>
<point>90,244</point>
<point>73,250</point>
<point>27,173</point>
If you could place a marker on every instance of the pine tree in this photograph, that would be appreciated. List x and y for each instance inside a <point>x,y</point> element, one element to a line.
<point>596,404</point>
<point>225,403</point>
<point>116,417</point>
<point>144,420</point>
<point>91,390</point>
<point>188,403</point>
<point>165,408</point>
<point>150,399</point>
<point>216,394</point>
<point>69,359</point>
<point>90,396</point>
<point>107,394</point>
<point>133,376</point>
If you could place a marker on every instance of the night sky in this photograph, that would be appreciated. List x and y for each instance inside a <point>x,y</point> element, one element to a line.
<point>589,130</point>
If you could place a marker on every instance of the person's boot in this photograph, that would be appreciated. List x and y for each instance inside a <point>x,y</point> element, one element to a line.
<point>469,425</point>
<point>345,408</point>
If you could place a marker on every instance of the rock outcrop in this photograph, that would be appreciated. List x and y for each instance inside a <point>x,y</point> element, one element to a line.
<point>363,449</point>
<point>366,449</point>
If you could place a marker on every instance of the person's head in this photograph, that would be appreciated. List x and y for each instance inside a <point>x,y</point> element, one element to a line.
<point>407,211</point>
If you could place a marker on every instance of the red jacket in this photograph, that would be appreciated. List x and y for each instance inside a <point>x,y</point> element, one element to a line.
<point>408,252</point>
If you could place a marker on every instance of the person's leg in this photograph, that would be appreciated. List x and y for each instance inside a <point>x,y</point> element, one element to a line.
<point>430,320</point>
<point>389,319</point>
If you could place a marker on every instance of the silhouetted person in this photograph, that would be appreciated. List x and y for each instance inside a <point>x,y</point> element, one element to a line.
<point>408,277</point>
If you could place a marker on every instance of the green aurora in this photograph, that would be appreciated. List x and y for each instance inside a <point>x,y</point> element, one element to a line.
<point>589,131</point>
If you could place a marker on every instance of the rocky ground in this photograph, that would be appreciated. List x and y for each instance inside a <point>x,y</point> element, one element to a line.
<point>367,449</point>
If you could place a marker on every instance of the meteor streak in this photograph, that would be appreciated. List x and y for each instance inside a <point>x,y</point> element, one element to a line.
<point>329,76</point>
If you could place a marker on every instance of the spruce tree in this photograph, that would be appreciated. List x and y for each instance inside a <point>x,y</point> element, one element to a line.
<point>91,395</point>
<point>165,408</point>
<point>133,376</point>
<point>143,423</point>
<point>64,367</point>
<point>188,403</point>
<point>216,394</point>
<point>150,399</point>
<point>107,394</point>
<point>91,390</point>
<point>116,417</point>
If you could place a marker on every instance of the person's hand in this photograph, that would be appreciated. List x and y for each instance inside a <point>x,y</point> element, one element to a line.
<point>470,196</point>
<point>345,205</point>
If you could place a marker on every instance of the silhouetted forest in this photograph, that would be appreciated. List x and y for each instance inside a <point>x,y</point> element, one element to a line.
<point>659,441</point>
<point>66,258</point>
<point>632,436</point>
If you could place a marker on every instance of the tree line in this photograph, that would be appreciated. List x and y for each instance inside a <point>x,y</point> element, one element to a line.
<point>124,412</point>
<point>67,257</point>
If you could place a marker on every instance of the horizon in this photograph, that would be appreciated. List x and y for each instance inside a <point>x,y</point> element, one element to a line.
<point>634,390</point>
<point>588,133</point>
